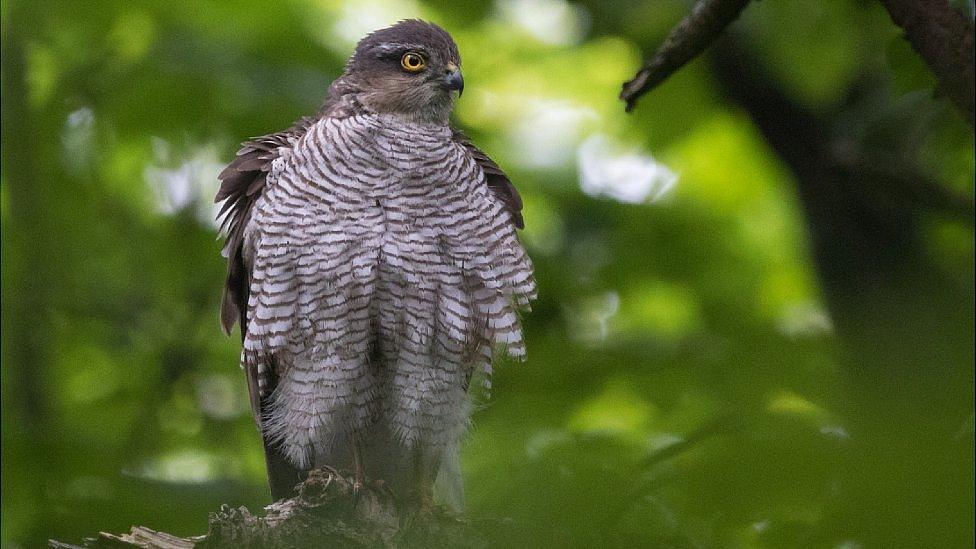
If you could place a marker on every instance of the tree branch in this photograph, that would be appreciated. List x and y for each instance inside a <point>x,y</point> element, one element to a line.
<point>943,37</point>
<point>695,33</point>
<point>140,536</point>
<point>326,511</point>
<point>894,180</point>
<point>723,425</point>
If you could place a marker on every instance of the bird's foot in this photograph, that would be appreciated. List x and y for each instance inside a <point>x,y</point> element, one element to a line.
<point>381,487</point>
<point>359,471</point>
<point>425,501</point>
<point>359,482</point>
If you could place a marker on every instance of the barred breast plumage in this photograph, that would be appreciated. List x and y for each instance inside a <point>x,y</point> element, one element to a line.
<point>379,239</point>
<point>374,267</point>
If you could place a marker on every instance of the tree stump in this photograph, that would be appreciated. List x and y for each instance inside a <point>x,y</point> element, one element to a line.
<point>326,512</point>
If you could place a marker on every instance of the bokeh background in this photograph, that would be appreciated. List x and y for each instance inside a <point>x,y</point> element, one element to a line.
<point>724,353</point>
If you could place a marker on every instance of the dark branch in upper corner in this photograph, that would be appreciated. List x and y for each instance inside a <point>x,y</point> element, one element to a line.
<point>695,33</point>
<point>942,36</point>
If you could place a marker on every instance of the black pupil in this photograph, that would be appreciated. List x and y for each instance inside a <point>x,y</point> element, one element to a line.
<point>413,61</point>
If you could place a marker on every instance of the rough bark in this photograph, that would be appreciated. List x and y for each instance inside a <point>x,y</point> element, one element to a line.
<point>139,536</point>
<point>326,512</point>
<point>943,37</point>
<point>690,38</point>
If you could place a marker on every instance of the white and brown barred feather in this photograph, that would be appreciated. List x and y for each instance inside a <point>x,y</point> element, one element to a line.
<point>375,264</point>
<point>374,268</point>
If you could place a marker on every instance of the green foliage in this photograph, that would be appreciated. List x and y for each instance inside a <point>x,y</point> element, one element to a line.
<point>664,308</point>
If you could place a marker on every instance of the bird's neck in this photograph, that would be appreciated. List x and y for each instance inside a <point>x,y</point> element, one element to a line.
<point>349,97</point>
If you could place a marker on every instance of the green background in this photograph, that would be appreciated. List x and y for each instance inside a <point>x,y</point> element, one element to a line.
<point>688,383</point>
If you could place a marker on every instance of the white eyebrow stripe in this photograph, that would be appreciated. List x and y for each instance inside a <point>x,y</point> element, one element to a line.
<point>392,47</point>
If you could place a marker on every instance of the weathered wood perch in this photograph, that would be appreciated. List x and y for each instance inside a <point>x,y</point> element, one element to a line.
<point>326,512</point>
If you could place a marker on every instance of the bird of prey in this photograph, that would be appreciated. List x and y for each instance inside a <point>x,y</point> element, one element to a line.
<point>374,267</point>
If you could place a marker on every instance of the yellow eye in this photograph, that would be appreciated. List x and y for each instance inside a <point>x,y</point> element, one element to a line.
<point>411,62</point>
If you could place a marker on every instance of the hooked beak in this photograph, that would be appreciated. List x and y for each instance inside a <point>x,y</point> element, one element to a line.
<point>453,79</point>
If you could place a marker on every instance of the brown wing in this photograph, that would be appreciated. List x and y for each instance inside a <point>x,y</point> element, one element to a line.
<point>497,181</point>
<point>241,183</point>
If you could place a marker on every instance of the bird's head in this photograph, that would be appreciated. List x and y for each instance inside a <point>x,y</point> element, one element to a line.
<point>410,69</point>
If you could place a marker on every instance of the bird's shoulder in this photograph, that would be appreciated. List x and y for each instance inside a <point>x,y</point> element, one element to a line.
<point>496,179</point>
<point>241,184</point>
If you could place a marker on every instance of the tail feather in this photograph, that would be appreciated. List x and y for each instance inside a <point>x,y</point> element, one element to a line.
<point>283,477</point>
<point>449,485</point>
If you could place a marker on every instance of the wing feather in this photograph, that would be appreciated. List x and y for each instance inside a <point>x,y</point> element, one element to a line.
<point>497,181</point>
<point>241,183</point>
